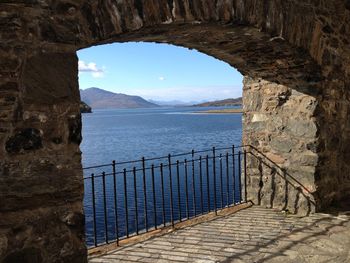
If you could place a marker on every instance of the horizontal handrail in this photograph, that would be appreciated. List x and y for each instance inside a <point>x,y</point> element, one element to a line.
<point>162,157</point>
<point>157,166</point>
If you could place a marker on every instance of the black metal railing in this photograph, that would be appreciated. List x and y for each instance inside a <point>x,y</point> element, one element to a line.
<point>124,199</point>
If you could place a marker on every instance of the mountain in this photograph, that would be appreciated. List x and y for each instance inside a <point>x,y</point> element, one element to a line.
<point>177,103</point>
<point>103,99</point>
<point>220,103</point>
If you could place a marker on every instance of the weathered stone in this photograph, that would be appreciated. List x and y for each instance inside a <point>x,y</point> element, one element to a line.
<point>73,219</point>
<point>50,85</point>
<point>289,131</point>
<point>259,118</point>
<point>9,86</point>
<point>75,126</point>
<point>347,4</point>
<point>276,158</point>
<point>284,145</point>
<point>307,159</point>
<point>25,140</point>
<point>302,128</point>
<point>3,244</point>
<point>27,255</point>
<point>57,140</point>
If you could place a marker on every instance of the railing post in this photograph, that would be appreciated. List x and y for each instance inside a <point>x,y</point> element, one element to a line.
<point>208,188</point>
<point>193,186</point>
<point>145,193</point>
<point>214,177</point>
<point>163,200</point>
<point>115,202</point>
<point>136,206</point>
<point>240,176</point>
<point>227,182</point>
<point>178,188</point>
<point>105,206</point>
<point>126,204</point>
<point>94,208</point>
<point>201,182</point>
<point>171,191</point>
<point>221,183</point>
<point>233,175</point>
<point>154,198</point>
<point>186,190</point>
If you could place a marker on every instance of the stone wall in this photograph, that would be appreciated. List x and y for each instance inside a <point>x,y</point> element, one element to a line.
<point>41,180</point>
<point>322,29</point>
<point>281,128</point>
<point>295,55</point>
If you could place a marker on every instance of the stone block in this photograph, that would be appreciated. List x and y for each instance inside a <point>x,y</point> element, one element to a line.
<point>302,128</point>
<point>26,140</point>
<point>282,145</point>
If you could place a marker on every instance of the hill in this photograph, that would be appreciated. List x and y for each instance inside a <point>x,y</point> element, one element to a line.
<point>84,108</point>
<point>221,103</point>
<point>102,99</point>
<point>170,103</point>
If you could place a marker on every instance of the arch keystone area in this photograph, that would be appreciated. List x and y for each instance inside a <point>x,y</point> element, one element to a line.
<point>294,55</point>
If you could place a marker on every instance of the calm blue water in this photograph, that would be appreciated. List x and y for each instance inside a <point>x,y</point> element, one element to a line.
<point>124,135</point>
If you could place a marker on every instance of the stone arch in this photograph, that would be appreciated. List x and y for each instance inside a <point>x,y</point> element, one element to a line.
<point>294,53</point>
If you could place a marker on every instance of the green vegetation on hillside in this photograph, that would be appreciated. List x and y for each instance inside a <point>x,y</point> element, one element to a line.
<point>84,108</point>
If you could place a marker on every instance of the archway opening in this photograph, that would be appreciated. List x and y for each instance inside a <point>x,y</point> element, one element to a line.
<point>162,100</point>
<point>281,95</point>
<point>167,79</point>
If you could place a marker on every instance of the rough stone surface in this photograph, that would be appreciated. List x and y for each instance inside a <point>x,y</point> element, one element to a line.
<point>252,235</point>
<point>40,175</point>
<point>298,50</point>
<point>280,124</point>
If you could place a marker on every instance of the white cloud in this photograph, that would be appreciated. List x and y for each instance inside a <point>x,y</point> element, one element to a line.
<point>99,74</point>
<point>161,78</point>
<point>91,68</point>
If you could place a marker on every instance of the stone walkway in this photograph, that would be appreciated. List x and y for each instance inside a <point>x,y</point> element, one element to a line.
<point>251,235</point>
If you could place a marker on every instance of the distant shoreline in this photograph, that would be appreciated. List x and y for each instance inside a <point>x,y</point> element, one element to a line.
<point>225,111</point>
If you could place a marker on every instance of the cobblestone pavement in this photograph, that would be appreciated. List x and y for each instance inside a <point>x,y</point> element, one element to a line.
<point>252,235</point>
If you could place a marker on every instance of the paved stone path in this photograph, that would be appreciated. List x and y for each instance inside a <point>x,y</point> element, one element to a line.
<point>251,235</point>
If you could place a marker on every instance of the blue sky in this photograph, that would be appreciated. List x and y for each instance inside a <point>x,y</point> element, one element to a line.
<point>158,71</point>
